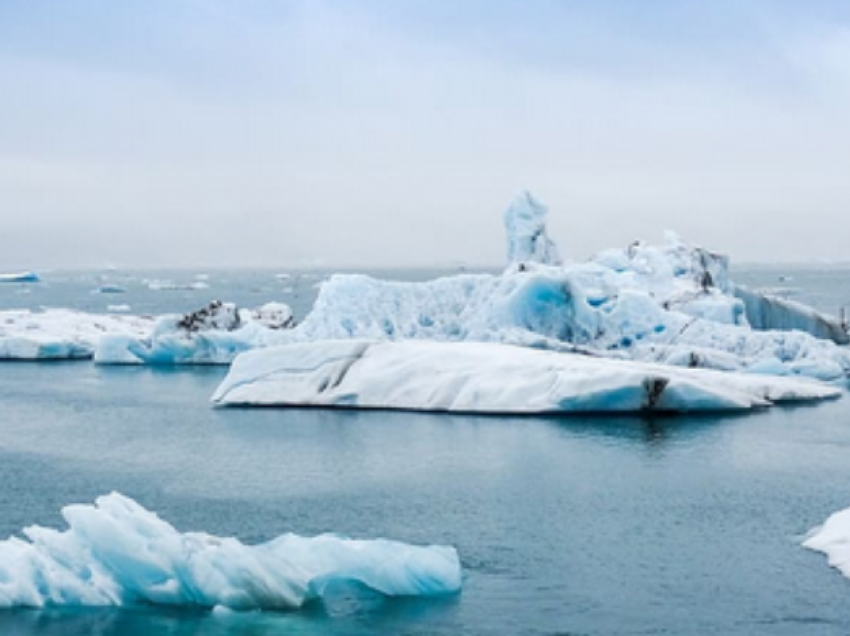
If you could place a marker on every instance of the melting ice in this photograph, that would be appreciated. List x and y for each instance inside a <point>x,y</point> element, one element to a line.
<point>116,552</point>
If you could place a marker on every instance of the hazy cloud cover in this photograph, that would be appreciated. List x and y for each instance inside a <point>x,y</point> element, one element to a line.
<point>291,133</point>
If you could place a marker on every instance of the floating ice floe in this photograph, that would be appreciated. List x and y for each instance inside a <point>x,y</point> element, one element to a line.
<point>167,285</point>
<point>488,378</point>
<point>833,540</point>
<point>59,334</point>
<point>110,289</point>
<point>118,553</point>
<point>20,277</point>
<point>212,335</point>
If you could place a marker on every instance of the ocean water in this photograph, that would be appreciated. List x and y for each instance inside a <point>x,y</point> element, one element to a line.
<point>603,525</point>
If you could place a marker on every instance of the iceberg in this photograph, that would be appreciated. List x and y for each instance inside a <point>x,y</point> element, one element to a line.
<point>214,334</point>
<point>167,285</point>
<point>833,540</point>
<point>20,277</point>
<point>619,308</point>
<point>488,378</point>
<point>671,304</point>
<point>117,553</point>
<point>110,289</point>
<point>61,334</point>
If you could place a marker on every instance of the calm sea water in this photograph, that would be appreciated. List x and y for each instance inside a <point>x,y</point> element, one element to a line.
<point>564,525</point>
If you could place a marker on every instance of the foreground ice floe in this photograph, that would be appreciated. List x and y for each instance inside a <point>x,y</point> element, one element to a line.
<point>118,553</point>
<point>488,378</point>
<point>57,334</point>
<point>833,539</point>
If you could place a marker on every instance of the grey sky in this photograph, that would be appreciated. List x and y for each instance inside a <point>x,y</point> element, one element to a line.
<point>205,132</point>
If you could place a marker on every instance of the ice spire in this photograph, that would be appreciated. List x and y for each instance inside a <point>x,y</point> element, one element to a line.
<point>525,223</point>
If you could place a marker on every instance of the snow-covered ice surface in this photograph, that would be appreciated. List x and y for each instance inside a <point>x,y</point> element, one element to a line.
<point>56,334</point>
<point>833,540</point>
<point>488,378</point>
<point>116,552</point>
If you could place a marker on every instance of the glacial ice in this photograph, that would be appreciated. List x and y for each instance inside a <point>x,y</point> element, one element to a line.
<point>167,285</point>
<point>488,378</point>
<point>20,277</point>
<point>671,304</point>
<point>769,311</point>
<point>833,540</point>
<point>60,334</point>
<point>525,225</point>
<point>116,552</point>
<point>212,335</point>
<point>654,310</point>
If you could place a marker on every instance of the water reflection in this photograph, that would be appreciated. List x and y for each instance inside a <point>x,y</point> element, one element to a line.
<point>345,613</point>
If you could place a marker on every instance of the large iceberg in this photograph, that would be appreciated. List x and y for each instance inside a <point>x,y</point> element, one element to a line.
<point>61,334</point>
<point>651,306</point>
<point>488,378</point>
<point>118,553</point>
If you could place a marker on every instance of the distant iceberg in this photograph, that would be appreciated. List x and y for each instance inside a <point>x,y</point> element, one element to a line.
<point>214,334</point>
<point>167,285</point>
<point>20,277</point>
<point>488,378</point>
<point>110,289</point>
<point>671,304</point>
<point>117,553</point>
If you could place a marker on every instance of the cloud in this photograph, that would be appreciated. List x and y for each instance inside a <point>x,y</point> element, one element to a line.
<point>364,133</point>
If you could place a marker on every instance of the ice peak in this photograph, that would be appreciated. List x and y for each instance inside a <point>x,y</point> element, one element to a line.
<point>525,224</point>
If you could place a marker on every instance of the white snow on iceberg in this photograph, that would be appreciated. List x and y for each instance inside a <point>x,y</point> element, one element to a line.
<point>60,334</point>
<point>488,378</point>
<point>118,553</point>
<point>833,540</point>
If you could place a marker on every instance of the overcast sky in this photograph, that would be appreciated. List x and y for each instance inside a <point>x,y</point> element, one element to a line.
<point>343,132</point>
